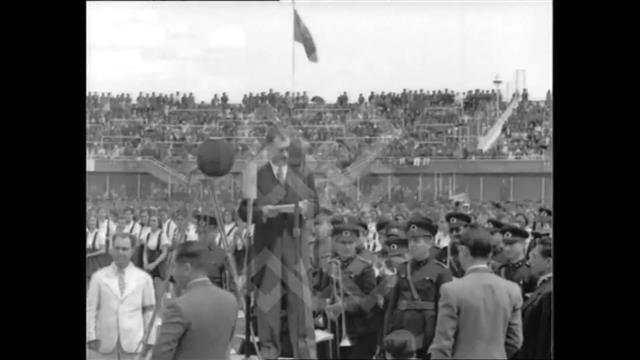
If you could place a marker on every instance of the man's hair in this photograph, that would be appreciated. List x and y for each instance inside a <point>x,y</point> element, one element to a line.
<point>400,344</point>
<point>274,133</point>
<point>546,245</point>
<point>193,253</point>
<point>131,237</point>
<point>477,240</point>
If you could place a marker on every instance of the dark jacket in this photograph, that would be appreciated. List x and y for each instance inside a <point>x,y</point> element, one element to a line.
<point>298,186</point>
<point>536,324</point>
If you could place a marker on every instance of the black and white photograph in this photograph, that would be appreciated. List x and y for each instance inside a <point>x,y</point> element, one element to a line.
<point>319,179</point>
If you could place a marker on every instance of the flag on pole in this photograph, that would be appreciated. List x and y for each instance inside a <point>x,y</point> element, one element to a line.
<point>302,35</point>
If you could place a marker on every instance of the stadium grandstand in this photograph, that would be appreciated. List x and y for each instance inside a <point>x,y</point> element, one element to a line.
<point>429,126</point>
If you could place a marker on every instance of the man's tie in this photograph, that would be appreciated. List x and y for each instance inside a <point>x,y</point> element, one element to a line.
<point>121,282</point>
<point>280,174</point>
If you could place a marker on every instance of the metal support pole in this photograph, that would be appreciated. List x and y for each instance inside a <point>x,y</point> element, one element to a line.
<point>511,188</point>
<point>389,187</point>
<point>108,192</point>
<point>420,187</point>
<point>138,187</point>
<point>454,184</point>
<point>542,192</point>
<point>358,188</point>
<point>481,189</point>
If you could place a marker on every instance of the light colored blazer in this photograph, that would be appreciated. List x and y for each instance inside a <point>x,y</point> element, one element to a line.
<point>479,317</point>
<point>198,325</point>
<point>111,316</point>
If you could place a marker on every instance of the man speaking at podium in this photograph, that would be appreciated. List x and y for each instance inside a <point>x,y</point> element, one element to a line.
<point>278,255</point>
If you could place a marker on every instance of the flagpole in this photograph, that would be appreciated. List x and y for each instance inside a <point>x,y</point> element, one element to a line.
<point>293,50</point>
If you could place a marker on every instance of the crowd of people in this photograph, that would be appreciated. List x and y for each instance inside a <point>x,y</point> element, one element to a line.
<point>333,277</point>
<point>160,226</point>
<point>434,124</point>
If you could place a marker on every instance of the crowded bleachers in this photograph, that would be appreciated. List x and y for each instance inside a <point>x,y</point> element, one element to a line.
<point>434,124</point>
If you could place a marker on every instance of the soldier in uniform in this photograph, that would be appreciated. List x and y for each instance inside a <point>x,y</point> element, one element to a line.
<point>413,300</point>
<point>396,244</point>
<point>497,258</point>
<point>516,268</point>
<point>457,222</point>
<point>354,299</point>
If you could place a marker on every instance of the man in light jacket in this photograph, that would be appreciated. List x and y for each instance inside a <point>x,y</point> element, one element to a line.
<point>479,315</point>
<point>120,302</point>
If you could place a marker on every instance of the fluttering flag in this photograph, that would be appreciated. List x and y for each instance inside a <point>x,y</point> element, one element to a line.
<point>302,35</point>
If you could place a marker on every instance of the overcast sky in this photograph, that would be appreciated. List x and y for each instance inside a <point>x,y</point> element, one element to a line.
<point>363,46</point>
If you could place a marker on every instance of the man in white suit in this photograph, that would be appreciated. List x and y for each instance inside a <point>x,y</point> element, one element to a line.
<point>479,315</point>
<point>120,302</point>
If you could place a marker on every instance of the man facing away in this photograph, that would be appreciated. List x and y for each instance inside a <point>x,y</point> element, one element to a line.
<point>479,315</point>
<point>120,302</point>
<point>199,324</point>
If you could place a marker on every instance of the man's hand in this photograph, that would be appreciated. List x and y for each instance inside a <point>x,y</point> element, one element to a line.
<point>304,207</point>
<point>333,311</point>
<point>94,344</point>
<point>149,267</point>
<point>270,211</point>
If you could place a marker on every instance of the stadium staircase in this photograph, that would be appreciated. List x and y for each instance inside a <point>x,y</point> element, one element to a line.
<point>164,172</point>
<point>493,134</point>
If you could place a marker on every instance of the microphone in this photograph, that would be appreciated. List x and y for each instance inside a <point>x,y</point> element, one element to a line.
<point>216,157</point>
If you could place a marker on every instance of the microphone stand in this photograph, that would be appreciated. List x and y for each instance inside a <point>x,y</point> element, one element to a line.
<point>247,296</point>
<point>232,264</point>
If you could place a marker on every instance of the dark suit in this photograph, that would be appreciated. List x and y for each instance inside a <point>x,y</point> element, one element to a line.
<point>197,325</point>
<point>536,318</point>
<point>280,264</point>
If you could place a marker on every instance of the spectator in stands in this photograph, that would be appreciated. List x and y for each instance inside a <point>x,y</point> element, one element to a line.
<point>215,101</point>
<point>360,100</point>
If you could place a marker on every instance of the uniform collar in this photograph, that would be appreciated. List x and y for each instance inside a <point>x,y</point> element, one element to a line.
<point>515,265</point>
<point>345,262</point>
<point>544,278</point>
<point>419,263</point>
<point>197,282</point>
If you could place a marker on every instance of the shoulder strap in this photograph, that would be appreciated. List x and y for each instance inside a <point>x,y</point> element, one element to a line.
<point>414,293</point>
<point>231,230</point>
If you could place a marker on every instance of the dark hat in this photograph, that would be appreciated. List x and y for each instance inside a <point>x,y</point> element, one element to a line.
<point>511,234</point>
<point>494,225</point>
<point>545,211</point>
<point>401,344</point>
<point>349,219</point>
<point>347,226</point>
<point>420,226</point>
<point>537,235</point>
<point>456,219</point>
<point>395,233</point>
